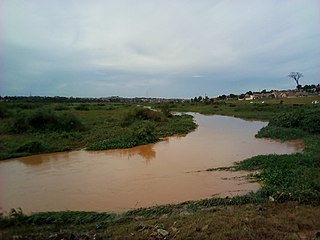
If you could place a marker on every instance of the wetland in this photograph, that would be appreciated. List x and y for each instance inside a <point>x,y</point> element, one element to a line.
<point>118,180</point>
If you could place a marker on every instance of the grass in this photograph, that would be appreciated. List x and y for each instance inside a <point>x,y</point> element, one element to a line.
<point>251,221</point>
<point>28,128</point>
<point>247,110</point>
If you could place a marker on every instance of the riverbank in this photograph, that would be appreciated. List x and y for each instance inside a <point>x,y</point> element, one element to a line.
<point>125,179</point>
<point>267,221</point>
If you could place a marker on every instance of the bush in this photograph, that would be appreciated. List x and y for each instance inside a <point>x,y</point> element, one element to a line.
<point>61,107</point>
<point>42,120</point>
<point>141,114</point>
<point>68,122</point>
<point>3,111</point>
<point>82,107</point>
<point>280,133</point>
<point>142,133</point>
<point>25,106</point>
<point>304,119</point>
<point>147,114</point>
<point>165,109</point>
<point>32,147</point>
<point>19,123</point>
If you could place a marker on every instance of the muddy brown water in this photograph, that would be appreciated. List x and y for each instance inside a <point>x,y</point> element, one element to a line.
<point>154,174</point>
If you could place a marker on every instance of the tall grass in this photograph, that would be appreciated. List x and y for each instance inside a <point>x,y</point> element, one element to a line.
<point>139,114</point>
<point>142,133</point>
<point>305,119</point>
<point>44,120</point>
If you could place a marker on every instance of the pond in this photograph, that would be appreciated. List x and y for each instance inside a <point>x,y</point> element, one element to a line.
<point>154,174</point>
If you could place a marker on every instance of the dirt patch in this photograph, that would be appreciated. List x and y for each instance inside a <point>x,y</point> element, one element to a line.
<point>263,221</point>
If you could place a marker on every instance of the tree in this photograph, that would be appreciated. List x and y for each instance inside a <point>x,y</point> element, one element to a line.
<point>296,76</point>
<point>231,95</point>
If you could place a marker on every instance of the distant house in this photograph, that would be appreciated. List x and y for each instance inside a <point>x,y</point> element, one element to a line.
<point>262,95</point>
<point>286,94</point>
<point>248,97</point>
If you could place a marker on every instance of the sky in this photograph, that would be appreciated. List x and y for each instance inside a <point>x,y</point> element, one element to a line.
<point>156,48</point>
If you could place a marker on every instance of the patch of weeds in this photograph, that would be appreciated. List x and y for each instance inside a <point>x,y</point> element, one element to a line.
<point>82,107</point>
<point>44,120</point>
<point>286,177</point>
<point>139,114</point>
<point>231,168</point>
<point>304,119</point>
<point>142,133</point>
<point>4,111</point>
<point>32,147</point>
<point>61,107</point>
<point>281,133</point>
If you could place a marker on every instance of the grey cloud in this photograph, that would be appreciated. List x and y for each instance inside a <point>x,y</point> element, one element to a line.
<point>126,48</point>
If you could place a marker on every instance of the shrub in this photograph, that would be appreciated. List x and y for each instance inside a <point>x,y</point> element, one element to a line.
<point>25,106</point>
<point>280,133</point>
<point>42,120</point>
<point>3,111</point>
<point>19,123</point>
<point>32,147</point>
<point>141,114</point>
<point>165,109</point>
<point>304,119</point>
<point>82,107</point>
<point>147,114</point>
<point>68,122</point>
<point>142,133</point>
<point>61,107</point>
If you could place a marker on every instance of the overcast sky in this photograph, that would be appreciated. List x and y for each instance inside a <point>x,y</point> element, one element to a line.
<point>156,48</point>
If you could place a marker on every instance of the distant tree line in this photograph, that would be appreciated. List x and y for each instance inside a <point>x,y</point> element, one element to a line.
<point>312,88</point>
<point>48,99</point>
<point>57,99</point>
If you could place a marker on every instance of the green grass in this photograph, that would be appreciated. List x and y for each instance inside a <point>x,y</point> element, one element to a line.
<point>246,110</point>
<point>281,133</point>
<point>29,128</point>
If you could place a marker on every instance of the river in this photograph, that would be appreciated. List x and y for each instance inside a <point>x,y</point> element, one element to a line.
<point>153,174</point>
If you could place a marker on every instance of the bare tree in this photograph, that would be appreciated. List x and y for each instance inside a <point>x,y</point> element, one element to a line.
<point>296,76</point>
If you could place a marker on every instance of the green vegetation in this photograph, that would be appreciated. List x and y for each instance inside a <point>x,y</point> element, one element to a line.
<point>32,127</point>
<point>141,133</point>
<point>305,119</point>
<point>259,221</point>
<point>43,120</point>
<point>281,133</point>
<point>286,207</point>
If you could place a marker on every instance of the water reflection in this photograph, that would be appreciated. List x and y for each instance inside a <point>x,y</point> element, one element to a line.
<point>117,180</point>
<point>147,152</point>
<point>43,158</point>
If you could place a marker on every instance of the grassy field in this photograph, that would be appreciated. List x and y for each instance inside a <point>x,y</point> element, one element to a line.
<point>248,109</point>
<point>30,128</point>
<point>286,207</point>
